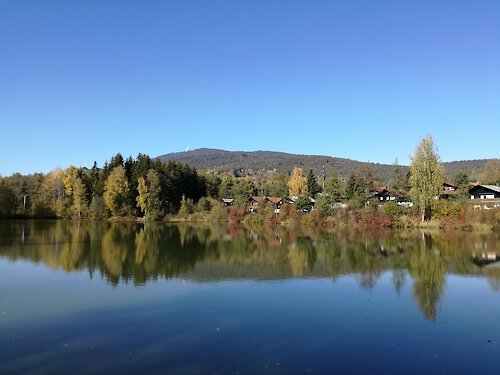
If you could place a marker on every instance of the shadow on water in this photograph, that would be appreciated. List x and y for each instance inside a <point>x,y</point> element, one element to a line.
<point>141,253</point>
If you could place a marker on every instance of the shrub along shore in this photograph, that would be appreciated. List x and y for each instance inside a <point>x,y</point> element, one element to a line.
<point>448,216</point>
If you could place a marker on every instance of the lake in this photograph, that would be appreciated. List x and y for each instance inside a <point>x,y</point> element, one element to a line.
<point>116,298</point>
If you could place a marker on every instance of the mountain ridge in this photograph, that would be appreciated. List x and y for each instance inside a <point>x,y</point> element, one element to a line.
<point>249,162</point>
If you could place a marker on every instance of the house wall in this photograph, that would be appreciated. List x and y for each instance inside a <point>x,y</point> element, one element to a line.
<point>484,194</point>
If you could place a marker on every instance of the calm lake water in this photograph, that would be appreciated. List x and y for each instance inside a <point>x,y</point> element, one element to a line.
<point>106,298</point>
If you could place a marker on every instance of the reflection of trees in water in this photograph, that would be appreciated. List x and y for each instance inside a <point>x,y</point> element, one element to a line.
<point>115,246</point>
<point>141,252</point>
<point>147,248</point>
<point>398,279</point>
<point>331,251</point>
<point>302,256</point>
<point>492,274</point>
<point>427,269</point>
<point>74,250</point>
<point>363,261</point>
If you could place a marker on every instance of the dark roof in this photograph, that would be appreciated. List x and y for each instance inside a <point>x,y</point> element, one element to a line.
<point>494,188</point>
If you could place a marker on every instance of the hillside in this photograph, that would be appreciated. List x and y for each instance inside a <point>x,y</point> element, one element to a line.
<point>243,162</point>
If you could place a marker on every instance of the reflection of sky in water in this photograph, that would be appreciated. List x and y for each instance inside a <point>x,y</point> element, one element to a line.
<point>69,323</point>
<point>33,291</point>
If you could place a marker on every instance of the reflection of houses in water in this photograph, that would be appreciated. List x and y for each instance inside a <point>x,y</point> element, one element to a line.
<point>486,258</point>
<point>253,236</point>
<point>273,240</point>
<point>382,252</point>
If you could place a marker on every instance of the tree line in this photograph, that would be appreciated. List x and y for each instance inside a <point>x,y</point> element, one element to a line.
<point>145,187</point>
<point>122,187</point>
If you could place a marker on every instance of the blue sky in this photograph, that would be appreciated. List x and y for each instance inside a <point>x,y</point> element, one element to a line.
<point>366,80</point>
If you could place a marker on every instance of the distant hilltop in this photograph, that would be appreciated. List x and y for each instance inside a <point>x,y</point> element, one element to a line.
<point>249,162</point>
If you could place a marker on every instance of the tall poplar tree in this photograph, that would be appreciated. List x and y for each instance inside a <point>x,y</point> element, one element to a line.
<point>297,185</point>
<point>149,192</point>
<point>426,177</point>
<point>143,195</point>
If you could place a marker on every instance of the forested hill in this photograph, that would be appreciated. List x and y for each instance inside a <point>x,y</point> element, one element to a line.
<point>243,162</point>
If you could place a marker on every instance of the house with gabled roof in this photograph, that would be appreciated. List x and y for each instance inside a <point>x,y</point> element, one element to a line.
<point>255,201</point>
<point>382,194</point>
<point>449,191</point>
<point>485,192</point>
<point>226,202</point>
<point>487,195</point>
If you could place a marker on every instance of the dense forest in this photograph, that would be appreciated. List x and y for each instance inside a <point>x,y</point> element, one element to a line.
<point>243,163</point>
<point>112,190</point>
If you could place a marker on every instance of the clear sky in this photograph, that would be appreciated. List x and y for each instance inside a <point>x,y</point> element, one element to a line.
<point>366,80</point>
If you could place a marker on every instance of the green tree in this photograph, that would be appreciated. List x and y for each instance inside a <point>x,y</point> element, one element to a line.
<point>462,181</point>
<point>187,206</point>
<point>80,200</point>
<point>333,188</point>
<point>352,186</point>
<point>96,181</point>
<point>367,178</point>
<point>203,205</point>
<point>324,204</point>
<point>303,203</point>
<point>244,187</point>
<point>426,177</point>
<point>356,190</point>
<point>212,181</point>
<point>399,182</point>
<point>226,187</point>
<point>96,208</point>
<point>277,184</point>
<point>116,191</point>
<point>8,200</point>
<point>312,185</point>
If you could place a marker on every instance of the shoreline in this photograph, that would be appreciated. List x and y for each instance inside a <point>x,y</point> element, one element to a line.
<point>355,219</point>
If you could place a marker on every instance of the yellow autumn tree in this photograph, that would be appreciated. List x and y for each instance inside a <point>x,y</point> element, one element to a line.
<point>142,197</point>
<point>149,191</point>
<point>75,190</point>
<point>297,184</point>
<point>52,194</point>
<point>116,191</point>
